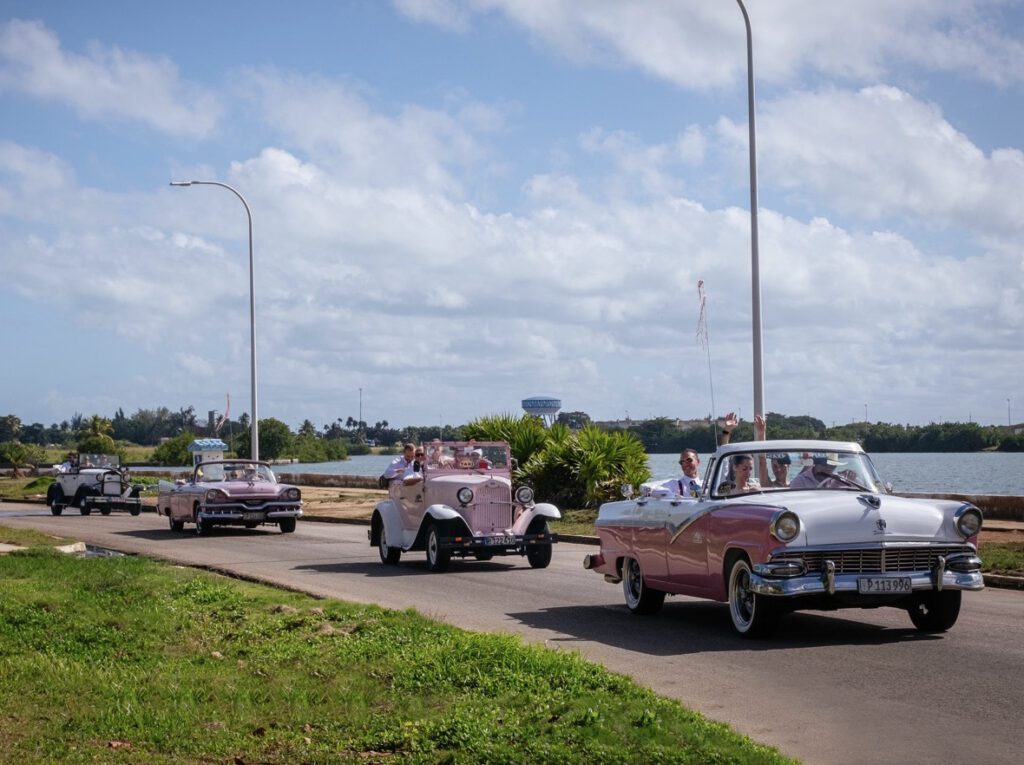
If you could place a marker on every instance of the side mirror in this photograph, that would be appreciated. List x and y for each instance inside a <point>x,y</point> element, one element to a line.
<point>627,490</point>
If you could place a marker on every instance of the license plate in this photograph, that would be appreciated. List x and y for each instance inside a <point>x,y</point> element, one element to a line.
<point>252,516</point>
<point>500,540</point>
<point>881,585</point>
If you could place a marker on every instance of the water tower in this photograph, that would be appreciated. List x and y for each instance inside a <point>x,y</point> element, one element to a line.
<point>544,407</point>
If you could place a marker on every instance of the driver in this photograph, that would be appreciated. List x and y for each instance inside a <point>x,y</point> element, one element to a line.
<point>818,475</point>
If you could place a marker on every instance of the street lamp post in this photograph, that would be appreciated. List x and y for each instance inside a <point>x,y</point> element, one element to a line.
<point>254,433</point>
<point>755,270</point>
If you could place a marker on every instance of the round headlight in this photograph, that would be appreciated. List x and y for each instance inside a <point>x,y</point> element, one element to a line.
<point>524,495</point>
<point>785,526</point>
<point>464,495</point>
<point>214,495</point>
<point>292,493</point>
<point>968,521</point>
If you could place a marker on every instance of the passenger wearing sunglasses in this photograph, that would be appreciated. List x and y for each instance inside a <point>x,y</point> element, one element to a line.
<point>689,484</point>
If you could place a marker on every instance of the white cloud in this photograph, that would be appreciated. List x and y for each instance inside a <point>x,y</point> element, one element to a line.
<point>414,146</point>
<point>699,44</point>
<point>879,152</point>
<point>104,82</point>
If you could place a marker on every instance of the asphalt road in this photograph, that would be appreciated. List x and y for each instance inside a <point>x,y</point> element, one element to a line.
<point>839,687</point>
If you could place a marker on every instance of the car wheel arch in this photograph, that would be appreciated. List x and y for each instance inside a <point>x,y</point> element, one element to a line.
<point>388,516</point>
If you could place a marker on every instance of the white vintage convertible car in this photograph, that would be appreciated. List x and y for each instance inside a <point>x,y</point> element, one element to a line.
<point>94,482</point>
<point>788,525</point>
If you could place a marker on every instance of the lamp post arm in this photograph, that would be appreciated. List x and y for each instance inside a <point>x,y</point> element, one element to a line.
<point>254,434</point>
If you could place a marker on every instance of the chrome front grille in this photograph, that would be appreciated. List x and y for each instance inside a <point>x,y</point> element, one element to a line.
<point>491,510</point>
<point>875,560</point>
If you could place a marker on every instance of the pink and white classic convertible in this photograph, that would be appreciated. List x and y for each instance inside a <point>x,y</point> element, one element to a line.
<point>789,525</point>
<point>234,492</point>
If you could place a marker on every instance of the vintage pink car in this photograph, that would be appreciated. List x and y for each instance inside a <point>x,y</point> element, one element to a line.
<point>232,492</point>
<point>460,500</point>
<point>788,525</point>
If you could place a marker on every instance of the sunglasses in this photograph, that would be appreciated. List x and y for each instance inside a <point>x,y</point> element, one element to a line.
<point>685,460</point>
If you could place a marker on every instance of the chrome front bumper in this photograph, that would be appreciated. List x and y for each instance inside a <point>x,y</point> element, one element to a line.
<point>240,514</point>
<point>828,582</point>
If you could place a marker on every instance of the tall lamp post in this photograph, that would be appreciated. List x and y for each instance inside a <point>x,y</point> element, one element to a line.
<point>254,433</point>
<point>755,270</point>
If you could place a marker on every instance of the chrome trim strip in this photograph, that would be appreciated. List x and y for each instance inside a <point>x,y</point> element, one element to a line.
<point>238,515</point>
<point>241,507</point>
<point>838,547</point>
<point>687,523</point>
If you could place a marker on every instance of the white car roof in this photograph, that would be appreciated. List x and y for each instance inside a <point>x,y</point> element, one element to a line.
<point>789,445</point>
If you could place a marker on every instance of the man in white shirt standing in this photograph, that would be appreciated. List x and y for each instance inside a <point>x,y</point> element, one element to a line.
<point>689,484</point>
<point>401,463</point>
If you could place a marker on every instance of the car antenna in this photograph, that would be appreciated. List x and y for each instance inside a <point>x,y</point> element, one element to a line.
<point>704,338</point>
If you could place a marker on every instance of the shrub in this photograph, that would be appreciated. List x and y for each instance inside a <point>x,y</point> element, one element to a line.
<point>525,435</point>
<point>571,469</point>
<point>586,468</point>
<point>174,453</point>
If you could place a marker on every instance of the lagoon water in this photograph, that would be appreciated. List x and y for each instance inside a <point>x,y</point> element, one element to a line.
<point>968,473</point>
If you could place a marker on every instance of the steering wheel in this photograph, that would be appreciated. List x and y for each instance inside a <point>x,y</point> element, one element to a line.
<point>843,479</point>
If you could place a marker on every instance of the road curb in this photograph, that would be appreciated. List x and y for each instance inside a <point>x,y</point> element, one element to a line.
<point>1004,581</point>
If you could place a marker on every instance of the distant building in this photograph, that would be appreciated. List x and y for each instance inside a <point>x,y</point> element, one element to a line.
<point>544,407</point>
<point>207,449</point>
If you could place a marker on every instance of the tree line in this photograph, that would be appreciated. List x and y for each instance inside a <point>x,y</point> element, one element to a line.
<point>662,435</point>
<point>172,431</point>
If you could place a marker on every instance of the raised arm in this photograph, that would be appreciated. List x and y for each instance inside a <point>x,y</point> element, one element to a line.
<point>727,426</point>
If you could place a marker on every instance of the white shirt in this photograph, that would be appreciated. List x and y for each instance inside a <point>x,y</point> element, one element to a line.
<point>397,467</point>
<point>684,486</point>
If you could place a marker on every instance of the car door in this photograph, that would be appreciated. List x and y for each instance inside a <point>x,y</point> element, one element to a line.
<point>181,507</point>
<point>649,537</point>
<point>687,547</point>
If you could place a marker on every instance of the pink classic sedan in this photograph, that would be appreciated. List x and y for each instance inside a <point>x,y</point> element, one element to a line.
<point>788,525</point>
<point>229,493</point>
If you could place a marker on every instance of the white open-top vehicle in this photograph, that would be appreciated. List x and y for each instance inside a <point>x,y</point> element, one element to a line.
<point>460,501</point>
<point>94,482</point>
<point>783,526</point>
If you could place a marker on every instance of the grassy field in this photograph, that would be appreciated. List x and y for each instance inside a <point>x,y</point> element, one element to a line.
<point>1002,558</point>
<point>128,660</point>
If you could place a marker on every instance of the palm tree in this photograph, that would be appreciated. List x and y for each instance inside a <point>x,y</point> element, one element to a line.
<point>98,426</point>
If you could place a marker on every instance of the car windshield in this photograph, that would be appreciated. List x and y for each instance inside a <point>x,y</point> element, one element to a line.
<point>467,456</point>
<point>770,471</point>
<point>230,470</point>
<point>98,461</point>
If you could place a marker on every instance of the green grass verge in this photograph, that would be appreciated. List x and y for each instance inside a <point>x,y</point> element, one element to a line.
<point>1002,558</point>
<point>128,660</point>
<point>30,538</point>
<point>575,522</point>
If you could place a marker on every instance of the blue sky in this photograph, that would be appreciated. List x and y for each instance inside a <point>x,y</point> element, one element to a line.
<point>461,203</point>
